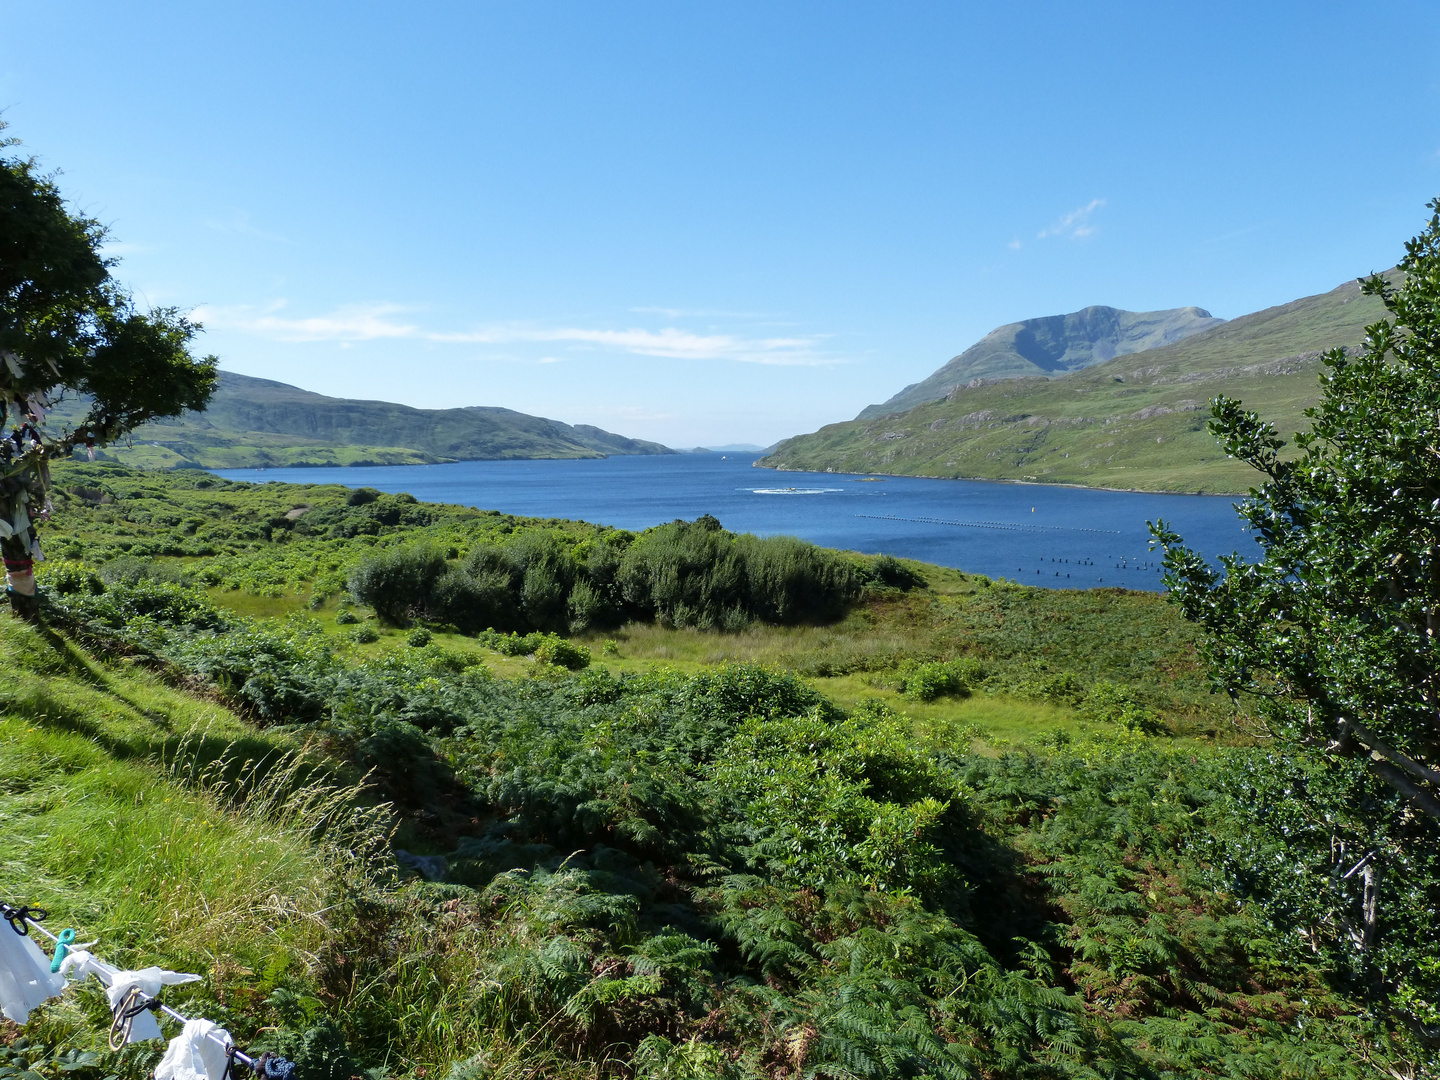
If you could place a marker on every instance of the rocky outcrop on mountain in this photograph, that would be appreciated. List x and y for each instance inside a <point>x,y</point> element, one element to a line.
<point>1052,345</point>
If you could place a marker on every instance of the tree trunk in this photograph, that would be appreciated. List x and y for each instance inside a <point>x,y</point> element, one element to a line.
<point>1370,905</point>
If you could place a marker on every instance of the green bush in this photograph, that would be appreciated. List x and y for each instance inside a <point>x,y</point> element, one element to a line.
<point>546,648</point>
<point>511,644</point>
<point>128,569</point>
<point>682,574</point>
<point>398,583</point>
<point>546,582</point>
<point>419,637</point>
<point>346,617</point>
<point>558,652</point>
<point>597,686</point>
<point>939,678</point>
<point>129,609</point>
<point>697,574</point>
<point>1112,703</point>
<point>474,602</point>
<point>364,635</point>
<point>791,581</point>
<point>589,607</point>
<point>889,572</point>
<point>68,578</point>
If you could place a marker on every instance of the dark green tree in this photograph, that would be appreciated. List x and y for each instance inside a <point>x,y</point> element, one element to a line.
<point>1334,631</point>
<point>67,327</point>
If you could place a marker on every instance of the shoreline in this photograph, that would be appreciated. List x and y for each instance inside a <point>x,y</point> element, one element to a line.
<point>998,480</point>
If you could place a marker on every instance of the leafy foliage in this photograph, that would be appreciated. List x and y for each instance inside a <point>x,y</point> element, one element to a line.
<point>682,574</point>
<point>924,681</point>
<point>1334,629</point>
<point>623,868</point>
<point>1333,633</point>
<point>65,323</point>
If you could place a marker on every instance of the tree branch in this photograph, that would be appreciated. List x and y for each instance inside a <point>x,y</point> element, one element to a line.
<point>1376,745</point>
<point>1396,779</point>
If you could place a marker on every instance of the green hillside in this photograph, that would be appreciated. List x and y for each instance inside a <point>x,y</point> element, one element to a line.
<point>257,422</point>
<point>962,828</point>
<point>1136,421</point>
<point>1052,345</point>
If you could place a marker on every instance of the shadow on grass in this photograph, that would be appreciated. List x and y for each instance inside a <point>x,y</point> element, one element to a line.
<point>134,715</point>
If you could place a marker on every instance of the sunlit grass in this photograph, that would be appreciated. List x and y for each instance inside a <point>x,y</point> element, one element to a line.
<point>102,833</point>
<point>992,719</point>
<point>257,606</point>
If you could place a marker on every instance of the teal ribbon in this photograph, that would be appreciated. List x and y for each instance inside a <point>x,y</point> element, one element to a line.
<point>62,946</point>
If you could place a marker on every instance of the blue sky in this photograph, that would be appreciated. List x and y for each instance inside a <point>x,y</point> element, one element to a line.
<point>704,223</point>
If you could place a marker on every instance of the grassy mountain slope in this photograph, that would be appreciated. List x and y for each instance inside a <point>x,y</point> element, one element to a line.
<point>1052,345</point>
<point>257,422</point>
<point>1137,421</point>
<point>667,864</point>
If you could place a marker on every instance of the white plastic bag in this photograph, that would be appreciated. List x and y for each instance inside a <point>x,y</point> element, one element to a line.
<point>25,979</point>
<point>197,1053</point>
<point>149,980</point>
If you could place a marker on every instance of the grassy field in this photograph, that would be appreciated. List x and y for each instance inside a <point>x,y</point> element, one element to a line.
<point>1134,422</point>
<point>259,450</point>
<point>752,854</point>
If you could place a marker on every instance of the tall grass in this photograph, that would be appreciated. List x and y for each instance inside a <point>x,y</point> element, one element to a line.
<point>294,790</point>
<point>157,824</point>
<point>158,873</point>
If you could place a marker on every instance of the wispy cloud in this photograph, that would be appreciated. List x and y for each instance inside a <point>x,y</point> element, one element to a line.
<point>355,322</point>
<point>379,322</point>
<point>1076,224</point>
<point>1015,245</point>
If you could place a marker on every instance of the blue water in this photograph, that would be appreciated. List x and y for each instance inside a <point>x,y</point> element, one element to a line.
<point>1037,534</point>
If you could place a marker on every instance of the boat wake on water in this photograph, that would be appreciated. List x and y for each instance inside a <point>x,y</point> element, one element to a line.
<point>791,491</point>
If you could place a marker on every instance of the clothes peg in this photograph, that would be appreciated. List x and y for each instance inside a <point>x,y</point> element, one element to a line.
<point>62,946</point>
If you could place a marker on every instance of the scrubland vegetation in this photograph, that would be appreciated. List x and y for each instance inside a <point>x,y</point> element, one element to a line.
<point>931,825</point>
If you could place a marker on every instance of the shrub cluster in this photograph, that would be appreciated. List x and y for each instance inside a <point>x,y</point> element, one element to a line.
<point>926,681</point>
<point>547,648</point>
<point>681,574</point>
<point>706,872</point>
<point>1111,703</point>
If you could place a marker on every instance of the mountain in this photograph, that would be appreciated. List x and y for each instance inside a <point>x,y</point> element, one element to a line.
<point>260,423</point>
<point>1052,345</point>
<point>1136,421</point>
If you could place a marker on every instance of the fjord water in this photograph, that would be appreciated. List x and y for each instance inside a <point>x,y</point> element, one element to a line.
<point>1060,537</point>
